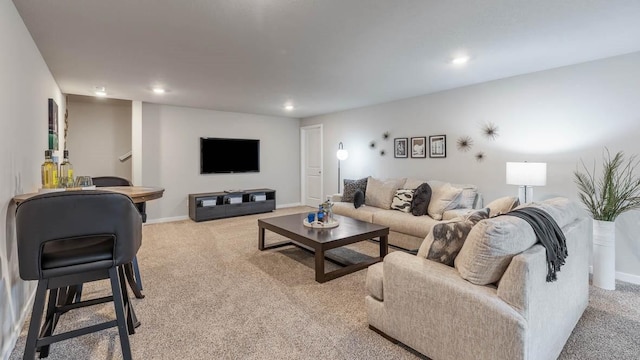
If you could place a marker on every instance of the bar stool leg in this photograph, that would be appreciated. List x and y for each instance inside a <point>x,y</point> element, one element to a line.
<point>120,313</point>
<point>36,319</point>
<point>50,320</point>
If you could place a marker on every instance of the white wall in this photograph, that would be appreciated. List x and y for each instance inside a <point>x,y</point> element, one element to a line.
<point>558,116</point>
<point>25,86</point>
<point>99,132</point>
<point>171,155</point>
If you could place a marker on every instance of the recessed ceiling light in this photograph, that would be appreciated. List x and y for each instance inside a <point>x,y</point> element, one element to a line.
<point>460,60</point>
<point>158,90</point>
<point>289,107</point>
<point>100,91</point>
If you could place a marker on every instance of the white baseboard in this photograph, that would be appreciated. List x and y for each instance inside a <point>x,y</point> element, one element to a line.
<point>282,206</point>
<point>15,334</point>
<point>185,217</point>
<point>168,219</point>
<point>630,278</point>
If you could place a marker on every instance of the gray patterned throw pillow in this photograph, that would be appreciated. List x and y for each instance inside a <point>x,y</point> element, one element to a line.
<point>402,200</point>
<point>446,238</point>
<point>350,188</point>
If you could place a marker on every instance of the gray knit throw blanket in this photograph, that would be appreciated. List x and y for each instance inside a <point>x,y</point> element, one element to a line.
<point>548,234</point>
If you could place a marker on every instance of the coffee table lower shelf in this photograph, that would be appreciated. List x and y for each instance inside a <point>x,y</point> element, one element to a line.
<point>319,241</point>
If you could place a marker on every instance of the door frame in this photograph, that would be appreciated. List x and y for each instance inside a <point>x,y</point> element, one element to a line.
<point>303,162</point>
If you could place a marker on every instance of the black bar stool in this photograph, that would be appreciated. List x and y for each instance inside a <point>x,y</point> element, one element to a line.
<point>132,271</point>
<point>66,239</point>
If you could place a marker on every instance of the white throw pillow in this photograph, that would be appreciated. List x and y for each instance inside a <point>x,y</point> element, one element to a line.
<point>443,198</point>
<point>402,200</point>
<point>380,192</point>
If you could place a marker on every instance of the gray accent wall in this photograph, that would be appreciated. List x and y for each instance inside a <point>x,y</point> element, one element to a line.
<point>559,116</point>
<point>171,155</point>
<point>25,86</point>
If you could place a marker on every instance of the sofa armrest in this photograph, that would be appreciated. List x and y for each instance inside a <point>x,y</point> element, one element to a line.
<point>336,197</point>
<point>551,309</point>
<point>428,300</point>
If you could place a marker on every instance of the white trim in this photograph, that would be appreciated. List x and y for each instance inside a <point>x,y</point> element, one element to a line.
<point>136,143</point>
<point>168,219</point>
<point>185,217</point>
<point>17,329</point>
<point>282,206</point>
<point>630,278</point>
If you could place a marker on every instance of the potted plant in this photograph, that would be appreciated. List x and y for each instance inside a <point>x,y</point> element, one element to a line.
<point>606,197</point>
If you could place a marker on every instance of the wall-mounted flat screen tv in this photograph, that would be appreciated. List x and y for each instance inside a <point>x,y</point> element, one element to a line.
<point>219,155</point>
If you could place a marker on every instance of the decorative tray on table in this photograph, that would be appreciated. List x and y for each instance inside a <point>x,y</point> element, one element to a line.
<point>321,225</point>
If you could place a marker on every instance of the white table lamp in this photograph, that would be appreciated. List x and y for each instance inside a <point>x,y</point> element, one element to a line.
<point>526,175</point>
<point>342,154</point>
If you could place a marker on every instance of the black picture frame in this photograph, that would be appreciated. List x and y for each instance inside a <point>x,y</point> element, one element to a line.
<point>53,125</point>
<point>419,147</point>
<point>438,146</point>
<point>400,148</point>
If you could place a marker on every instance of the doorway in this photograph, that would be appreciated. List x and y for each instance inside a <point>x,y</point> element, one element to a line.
<point>311,165</point>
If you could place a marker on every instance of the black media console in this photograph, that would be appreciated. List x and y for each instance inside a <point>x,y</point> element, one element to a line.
<point>218,205</point>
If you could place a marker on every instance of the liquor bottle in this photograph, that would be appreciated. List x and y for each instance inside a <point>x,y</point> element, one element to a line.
<point>49,172</point>
<point>66,171</point>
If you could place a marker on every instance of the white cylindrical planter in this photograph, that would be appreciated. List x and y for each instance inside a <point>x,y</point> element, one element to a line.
<point>604,254</point>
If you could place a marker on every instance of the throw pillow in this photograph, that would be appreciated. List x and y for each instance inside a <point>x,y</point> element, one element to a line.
<point>490,246</point>
<point>421,199</point>
<point>358,199</point>
<point>503,205</point>
<point>443,198</point>
<point>402,200</point>
<point>350,188</point>
<point>446,238</point>
<point>380,192</point>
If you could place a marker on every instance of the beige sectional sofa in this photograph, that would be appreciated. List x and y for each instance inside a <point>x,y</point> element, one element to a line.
<point>407,231</point>
<point>463,312</point>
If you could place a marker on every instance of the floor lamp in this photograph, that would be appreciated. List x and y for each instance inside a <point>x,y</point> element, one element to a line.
<point>526,175</point>
<point>342,154</point>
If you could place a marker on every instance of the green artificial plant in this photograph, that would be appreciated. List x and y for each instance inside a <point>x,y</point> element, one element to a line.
<point>617,191</point>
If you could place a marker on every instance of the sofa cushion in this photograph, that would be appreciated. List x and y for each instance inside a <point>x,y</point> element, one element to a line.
<point>446,238</point>
<point>493,242</point>
<point>350,188</point>
<point>503,205</point>
<point>402,200</point>
<point>373,283</point>
<point>421,200</point>
<point>490,246</point>
<point>562,210</point>
<point>380,192</point>
<point>364,213</point>
<point>358,199</point>
<point>412,183</point>
<point>418,226</point>
<point>445,197</point>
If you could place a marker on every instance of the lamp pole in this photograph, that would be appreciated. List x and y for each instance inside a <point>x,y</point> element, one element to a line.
<point>342,154</point>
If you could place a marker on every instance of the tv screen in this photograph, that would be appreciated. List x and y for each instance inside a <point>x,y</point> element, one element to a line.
<point>229,155</point>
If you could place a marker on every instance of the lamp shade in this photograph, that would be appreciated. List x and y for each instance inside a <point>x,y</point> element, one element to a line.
<point>342,154</point>
<point>526,173</point>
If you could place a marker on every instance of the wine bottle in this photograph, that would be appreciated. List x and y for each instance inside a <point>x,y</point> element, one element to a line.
<point>66,171</point>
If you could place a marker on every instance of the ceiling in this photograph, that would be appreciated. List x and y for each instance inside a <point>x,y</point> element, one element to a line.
<point>322,56</point>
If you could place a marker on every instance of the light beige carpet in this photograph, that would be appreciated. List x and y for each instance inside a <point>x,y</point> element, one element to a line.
<point>211,294</point>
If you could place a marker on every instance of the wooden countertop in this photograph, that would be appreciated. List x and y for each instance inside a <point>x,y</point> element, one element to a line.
<point>138,194</point>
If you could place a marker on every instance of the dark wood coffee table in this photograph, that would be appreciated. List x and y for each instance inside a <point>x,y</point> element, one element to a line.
<point>320,240</point>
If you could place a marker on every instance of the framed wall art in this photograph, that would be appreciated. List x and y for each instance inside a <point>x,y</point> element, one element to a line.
<point>438,146</point>
<point>418,147</point>
<point>400,147</point>
<point>53,125</point>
